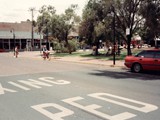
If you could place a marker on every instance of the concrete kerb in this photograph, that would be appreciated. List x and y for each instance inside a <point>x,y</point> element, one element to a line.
<point>37,55</point>
<point>92,61</point>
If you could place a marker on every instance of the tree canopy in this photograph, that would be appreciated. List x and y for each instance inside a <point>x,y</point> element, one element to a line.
<point>57,26</point>
<point>98,17</point>
<point>151,13</point>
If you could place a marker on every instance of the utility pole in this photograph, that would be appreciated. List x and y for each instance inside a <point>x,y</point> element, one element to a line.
<point>32,32</point>
<point>114,34</point>
<point>114,41</point>
<point>13,31</point>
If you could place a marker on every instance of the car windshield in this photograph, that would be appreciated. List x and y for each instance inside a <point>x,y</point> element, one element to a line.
<point>139,54</point>
<point>157,55</point>
<point>146,54</point>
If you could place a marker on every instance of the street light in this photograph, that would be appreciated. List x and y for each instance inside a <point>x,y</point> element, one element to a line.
<point>32,32</point>
<point>12,31</point>
<point>128,32</point>
<point>47,34</point>
<point>45,22</point>
<point>47,42</point>
<point>114,33</point>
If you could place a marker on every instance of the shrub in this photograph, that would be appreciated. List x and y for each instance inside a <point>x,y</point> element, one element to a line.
<point>61,47</point>
<point>73,44</point>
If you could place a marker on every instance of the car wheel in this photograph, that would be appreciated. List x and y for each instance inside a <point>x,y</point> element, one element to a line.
<point>136,68</point>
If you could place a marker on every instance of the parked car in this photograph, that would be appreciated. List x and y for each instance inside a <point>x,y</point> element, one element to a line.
<point>145,60</point>
<point>2,50</point>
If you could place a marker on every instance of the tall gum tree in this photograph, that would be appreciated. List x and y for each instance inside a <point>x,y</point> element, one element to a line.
<point>151,13</point>
<point>58,26</point>
<point>126,16</point>
<point>92,24</point>
<point>44,19</point>
<point>69,20</point>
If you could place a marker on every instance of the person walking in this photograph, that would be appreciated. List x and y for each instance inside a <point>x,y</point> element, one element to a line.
<point>45,53</point>
<point>16,51</point>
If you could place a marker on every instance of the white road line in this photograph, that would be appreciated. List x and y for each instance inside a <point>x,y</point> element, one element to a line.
<point>54,116</point>
<point>92,109</point>
<point>146,107</point>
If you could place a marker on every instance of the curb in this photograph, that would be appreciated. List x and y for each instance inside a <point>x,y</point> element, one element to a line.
<point>85,62</point>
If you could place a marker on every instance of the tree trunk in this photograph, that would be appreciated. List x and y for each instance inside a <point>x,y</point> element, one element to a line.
<point>69,47</point>
<point>128,45</point>
<point>97,47</point>
<point>67,44</point>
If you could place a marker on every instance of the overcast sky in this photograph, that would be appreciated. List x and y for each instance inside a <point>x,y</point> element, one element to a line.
<point>18,10</point>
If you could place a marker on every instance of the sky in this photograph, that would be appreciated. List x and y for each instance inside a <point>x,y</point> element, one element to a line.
<point>18,10</point>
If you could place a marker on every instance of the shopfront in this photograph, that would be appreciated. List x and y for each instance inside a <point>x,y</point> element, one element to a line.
<point>23,41</point>
<point>19,34</point>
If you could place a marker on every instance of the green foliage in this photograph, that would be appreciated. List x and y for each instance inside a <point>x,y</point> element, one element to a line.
<point>73,44</point>
<point>151,12</point>
<point>57,46</point>
<point>62,48</point>
<point>98,19</point>
<point>58,26</point>
<point>87,54</point>
<point>44,19</point>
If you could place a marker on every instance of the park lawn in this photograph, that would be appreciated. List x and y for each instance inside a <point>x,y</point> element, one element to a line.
<point>74,54</point>
<point>102,55</point>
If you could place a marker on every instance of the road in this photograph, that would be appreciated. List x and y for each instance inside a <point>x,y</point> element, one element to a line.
<point>32,89</point>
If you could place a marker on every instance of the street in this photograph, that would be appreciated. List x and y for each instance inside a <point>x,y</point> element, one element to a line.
<point>34,89</point>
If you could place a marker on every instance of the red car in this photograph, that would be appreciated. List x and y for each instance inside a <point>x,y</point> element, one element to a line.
<point>2,50</point>
<point>145,60</point>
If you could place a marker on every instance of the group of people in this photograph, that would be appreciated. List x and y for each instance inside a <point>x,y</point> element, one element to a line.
<point>45,53</point>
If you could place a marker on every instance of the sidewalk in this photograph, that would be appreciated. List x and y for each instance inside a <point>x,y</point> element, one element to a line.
<point>77,59</point>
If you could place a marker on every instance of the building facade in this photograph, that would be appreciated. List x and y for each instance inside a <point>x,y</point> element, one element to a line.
<point>19,34</point>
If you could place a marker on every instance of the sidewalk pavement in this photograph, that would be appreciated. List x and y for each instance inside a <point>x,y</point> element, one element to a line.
<point>77,59</point>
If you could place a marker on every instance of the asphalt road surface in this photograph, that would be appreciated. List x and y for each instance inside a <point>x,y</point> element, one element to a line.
<point>32,89</point>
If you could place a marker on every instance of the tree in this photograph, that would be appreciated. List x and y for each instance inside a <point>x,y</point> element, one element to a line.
<point>87,25</point>
<point>44,19</point>
<point>127,15</point>
<point>151,13</point>
<point>92,24</point>
<point>58,26</point>
<point>65,24</point>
